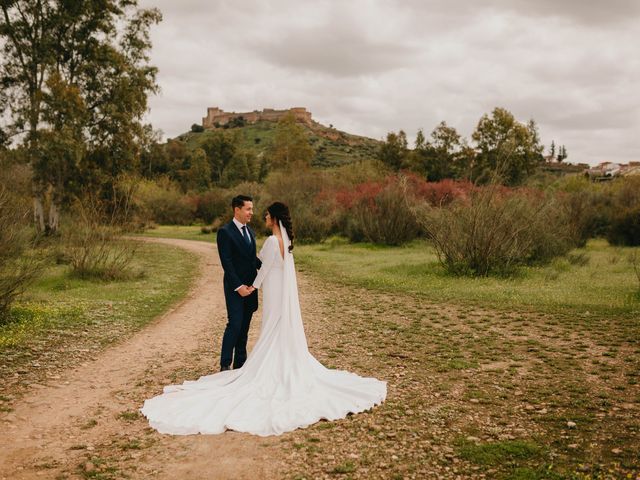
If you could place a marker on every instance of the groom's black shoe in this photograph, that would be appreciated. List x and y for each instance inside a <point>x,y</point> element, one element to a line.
<point>223,368</point>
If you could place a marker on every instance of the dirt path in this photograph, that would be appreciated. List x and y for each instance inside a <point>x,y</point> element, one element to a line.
<point>86,425</point>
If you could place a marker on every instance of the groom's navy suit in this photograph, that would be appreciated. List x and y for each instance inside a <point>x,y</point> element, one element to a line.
<point>240,264</point>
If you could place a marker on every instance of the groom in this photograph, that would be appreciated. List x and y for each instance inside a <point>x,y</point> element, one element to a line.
<point>237,250</point>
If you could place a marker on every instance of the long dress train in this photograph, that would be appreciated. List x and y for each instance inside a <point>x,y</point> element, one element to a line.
<point>280,387</point>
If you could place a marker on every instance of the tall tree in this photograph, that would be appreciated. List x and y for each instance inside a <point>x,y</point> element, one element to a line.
<point>562,154</point>
<point>196,174</point>
<point>506,148</point>
<point>394,152</point>
<point>290,148</point>
<point>94,53</point>
<point>443,156</point>
<point>420,142</point>
<point>220,147</point>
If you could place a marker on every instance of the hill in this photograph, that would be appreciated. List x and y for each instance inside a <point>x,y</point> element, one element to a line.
<point>332,147</point>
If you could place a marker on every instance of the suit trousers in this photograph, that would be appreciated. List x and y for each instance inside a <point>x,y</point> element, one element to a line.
<point>234,342</point>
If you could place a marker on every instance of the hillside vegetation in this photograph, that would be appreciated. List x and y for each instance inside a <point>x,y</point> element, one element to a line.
<point>332,147</point>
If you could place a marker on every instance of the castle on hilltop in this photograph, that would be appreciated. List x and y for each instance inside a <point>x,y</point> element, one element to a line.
<point>217,117</point>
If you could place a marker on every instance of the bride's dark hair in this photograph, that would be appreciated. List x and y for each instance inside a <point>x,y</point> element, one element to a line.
<point>278,211</point>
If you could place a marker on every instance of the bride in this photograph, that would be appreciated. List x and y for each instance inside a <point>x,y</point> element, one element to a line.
<point>281,386</point>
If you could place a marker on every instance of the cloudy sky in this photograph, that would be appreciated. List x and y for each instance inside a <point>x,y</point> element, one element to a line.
<point>372,66</point>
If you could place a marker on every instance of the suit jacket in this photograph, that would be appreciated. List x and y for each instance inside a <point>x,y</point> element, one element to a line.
<point>238,259</point>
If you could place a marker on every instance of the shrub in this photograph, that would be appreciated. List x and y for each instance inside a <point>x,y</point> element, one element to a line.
<point>589,206</point>
<point>212,204</point>
<point>93,243</point>
<point>625,227</point>
<point>440,193</point>
<point>312,214</point>
<point>495,231</point>
<point>379,212</point>
<point>385,217</point>
<point>162,202</point>
<point>18,265</point>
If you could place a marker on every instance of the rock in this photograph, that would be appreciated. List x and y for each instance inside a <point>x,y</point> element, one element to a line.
<point>571,424</point>
<point>616,451</point>
<point>573,445</point>
<point>89,467</point>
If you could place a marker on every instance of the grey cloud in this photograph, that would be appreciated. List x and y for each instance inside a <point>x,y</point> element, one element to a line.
<point>586,12</point>
<point>579,11</point>
<point>337,54</point>
<point>372,66</point>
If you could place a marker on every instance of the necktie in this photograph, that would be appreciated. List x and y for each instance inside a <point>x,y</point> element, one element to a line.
<point>246,235</point>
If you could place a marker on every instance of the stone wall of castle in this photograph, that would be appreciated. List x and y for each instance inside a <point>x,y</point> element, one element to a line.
<point>217,116</point>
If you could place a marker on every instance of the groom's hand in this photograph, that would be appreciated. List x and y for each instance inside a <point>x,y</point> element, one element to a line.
<point>244,291</point>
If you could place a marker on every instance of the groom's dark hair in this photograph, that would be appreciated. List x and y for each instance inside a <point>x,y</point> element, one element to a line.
<point>238,201</point>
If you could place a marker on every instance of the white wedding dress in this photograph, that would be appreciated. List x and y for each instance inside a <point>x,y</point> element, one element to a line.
<point>280,387</point>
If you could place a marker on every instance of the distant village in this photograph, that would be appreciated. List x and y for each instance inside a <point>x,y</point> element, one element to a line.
<point>610,170</point>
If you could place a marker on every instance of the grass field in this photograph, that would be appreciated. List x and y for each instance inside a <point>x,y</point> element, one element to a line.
<point>596,280</point>
<point>190,232</point>
<point>62,319</point>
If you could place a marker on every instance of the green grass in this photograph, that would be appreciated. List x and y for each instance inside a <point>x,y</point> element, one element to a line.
<point>183,232</point>
<point>603,282</point>
<point>58,302</point>
<point>498,453</point>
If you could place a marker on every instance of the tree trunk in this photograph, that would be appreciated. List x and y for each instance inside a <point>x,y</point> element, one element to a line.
<point>54,217</point>
<point>38,213</point>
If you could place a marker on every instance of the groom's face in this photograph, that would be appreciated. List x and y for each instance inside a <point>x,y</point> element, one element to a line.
<point>244,213</point>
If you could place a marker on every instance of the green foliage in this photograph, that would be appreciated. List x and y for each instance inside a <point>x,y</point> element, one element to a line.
<point>236,122</point>
<point>394,152</point>
<point>196,174</point>
<point>220,148</point>
<point>76,77</point>
<point>196,128</point>
<point>290,148</point>
<point>506,148</point>
<point>625,227</point>
<point>18,266</point>
<point>212,205</point>
<point>312,219</point>
<point>163,202</point>
<point>603,209</point>
<point>58,304</point>
<point>446,155</point>
<point>94,246</point>
<point>243,167</point>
